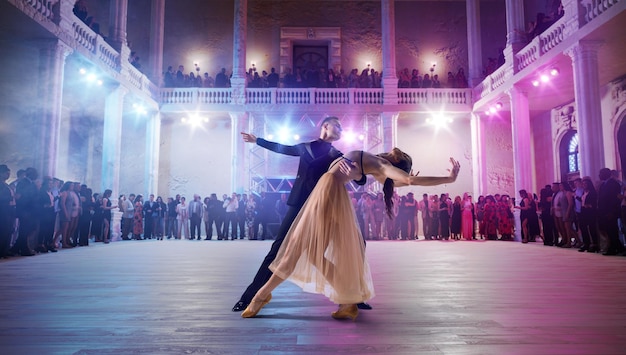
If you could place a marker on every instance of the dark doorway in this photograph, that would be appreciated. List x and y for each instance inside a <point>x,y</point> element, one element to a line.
<point>309,61</point>
<point>621,145</point>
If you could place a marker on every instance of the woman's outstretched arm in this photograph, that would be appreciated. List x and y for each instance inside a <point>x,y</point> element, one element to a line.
<point>402,178</point>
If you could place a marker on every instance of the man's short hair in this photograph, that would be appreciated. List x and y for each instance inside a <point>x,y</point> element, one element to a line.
<point>328,119</point>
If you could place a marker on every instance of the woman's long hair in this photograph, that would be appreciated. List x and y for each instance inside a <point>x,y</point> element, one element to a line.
<point>404,163</point>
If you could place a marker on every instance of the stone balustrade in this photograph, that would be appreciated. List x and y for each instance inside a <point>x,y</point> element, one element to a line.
<point>595,8</point>
<point>315,96</point>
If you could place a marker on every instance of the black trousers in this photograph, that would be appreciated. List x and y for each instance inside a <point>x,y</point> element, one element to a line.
<point>209,227</point>
<point>195,221</point>
<point>608,226</point>
<point>28,225</point>
<point>7,220</point>
<point>231,219</point>
<point>46,227</point>
<point>148,222</point>
<point>264,272</point>
<point>549,230</point>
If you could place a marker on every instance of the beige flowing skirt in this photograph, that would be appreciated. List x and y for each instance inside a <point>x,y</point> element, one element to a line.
<point>324,251</point>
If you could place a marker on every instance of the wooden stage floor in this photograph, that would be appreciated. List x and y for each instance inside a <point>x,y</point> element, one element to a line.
<point>175,297</point>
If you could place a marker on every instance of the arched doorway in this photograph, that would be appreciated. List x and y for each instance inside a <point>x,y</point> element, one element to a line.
<point>570,159</point>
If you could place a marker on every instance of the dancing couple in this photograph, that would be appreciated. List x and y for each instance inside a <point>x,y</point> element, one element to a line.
<point>319,245</point>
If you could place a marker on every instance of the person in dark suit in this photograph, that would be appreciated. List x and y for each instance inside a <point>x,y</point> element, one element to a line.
<point>315,158</point>
<point>609,211</point>
<point>26,209</point>
<point>149,212</point>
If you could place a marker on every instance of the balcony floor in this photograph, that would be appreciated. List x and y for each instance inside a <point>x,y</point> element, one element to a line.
<point>174,297</point>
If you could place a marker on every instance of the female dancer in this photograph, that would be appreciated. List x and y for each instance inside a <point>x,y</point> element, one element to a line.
<point>324,251</point>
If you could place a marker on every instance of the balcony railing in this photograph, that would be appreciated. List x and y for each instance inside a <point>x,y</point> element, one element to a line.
<point>315,96</point>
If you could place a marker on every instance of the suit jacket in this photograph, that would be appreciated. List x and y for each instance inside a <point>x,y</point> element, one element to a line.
<point>315,158</point>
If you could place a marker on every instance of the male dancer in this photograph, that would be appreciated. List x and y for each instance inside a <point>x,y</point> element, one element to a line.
<point>315,158</point>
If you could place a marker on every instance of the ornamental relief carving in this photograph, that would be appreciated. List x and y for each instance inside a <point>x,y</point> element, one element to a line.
<point>617,88</point>
<point>563,119</point>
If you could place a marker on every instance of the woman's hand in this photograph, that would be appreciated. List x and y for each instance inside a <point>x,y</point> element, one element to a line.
<point>456,166</point>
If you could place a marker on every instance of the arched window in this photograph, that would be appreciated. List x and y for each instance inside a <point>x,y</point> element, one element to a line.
<point>573,158</point>
<point>570,159</point>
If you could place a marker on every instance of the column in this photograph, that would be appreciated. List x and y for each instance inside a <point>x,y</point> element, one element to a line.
<point>112,139</point>
<point>475,59</point>
<point>520,132</point>
<point>238,80</point>
<point>587,95</point>
<point>157,26</point>
<point>389,79</point>
<point>516,29</point>
<point>479,166</point>
<point>390,124</point>
<point>117,23</point>
<point>153,145</point>
<point>51,72</point>
<point>239,173</point>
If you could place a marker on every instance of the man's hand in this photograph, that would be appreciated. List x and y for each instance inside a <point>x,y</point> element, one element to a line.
<point>248,138</point>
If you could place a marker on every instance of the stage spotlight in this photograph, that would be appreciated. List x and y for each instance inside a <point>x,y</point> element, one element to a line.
<point>544,78</point>
<point>349,136</point>
<point>82,71</point>
<point>492,109</point>
<point>296,137</point>
<point>283,134</point>
<point>554,72</point>
<point>361,137</point>
<point>270,136</point>
<point>488,113</point>
<point>499,106</point>
<point>91,77</point>
<point>535,83</point>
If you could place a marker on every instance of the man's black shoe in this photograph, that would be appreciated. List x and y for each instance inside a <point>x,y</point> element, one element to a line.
<point>239,306</point>
<point>363,306</point>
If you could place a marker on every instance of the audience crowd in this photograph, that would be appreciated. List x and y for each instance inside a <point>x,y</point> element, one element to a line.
<point>43,215</point>
<point>311,78</point>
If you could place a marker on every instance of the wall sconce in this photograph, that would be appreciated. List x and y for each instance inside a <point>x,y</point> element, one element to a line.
<point>432,68</point>
<point>545,77</point>
<point>493,109</point>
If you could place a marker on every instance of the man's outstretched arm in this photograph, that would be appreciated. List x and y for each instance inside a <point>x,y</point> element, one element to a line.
<point>292,150</point>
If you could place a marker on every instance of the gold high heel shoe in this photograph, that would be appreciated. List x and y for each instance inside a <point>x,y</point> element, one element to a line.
<point>346,311</point>
<point>249,313</point>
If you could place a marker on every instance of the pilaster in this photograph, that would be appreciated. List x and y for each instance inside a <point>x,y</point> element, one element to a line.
<point>51,73</point>
<point>584,56</point>
<point>238,80</point>
<point>153,145</point>
<point>112,139</point>
<point>474,42</point>
<point>516,30</point>
<point>520,132</point>
<point>479,166</point>
<point>117,24</point>
<point>157,27</point>
<point>390,124</point>
<point>239,177</point>
<point>389,79</point>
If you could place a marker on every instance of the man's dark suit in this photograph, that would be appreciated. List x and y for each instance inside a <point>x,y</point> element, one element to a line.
<point>315,158</point>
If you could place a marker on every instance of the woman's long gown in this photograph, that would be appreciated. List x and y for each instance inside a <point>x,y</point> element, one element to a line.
<point>324,251</point>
